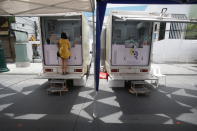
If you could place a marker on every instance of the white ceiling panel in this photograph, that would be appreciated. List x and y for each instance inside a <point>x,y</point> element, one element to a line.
<point>73,5</point>
<point>48,10</point>
<point>41,7</point>
<point>13,7</point>
<point>47,2</point>
<point>2,12</point>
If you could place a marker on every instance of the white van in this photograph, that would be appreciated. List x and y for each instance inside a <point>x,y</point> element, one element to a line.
<point>128,45</point>
<point>77,29</point>
<point>129,39</point>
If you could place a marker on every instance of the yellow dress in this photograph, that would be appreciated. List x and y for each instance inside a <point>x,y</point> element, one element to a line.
<point>64,51</point>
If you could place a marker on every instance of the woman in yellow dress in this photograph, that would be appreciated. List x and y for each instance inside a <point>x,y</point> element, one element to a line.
<point>64,51</point>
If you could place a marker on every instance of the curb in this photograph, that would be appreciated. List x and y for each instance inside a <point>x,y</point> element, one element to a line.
<point>19,73</point>
<point>180,74</point>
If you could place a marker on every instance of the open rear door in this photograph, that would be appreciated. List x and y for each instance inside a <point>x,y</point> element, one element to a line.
<point>52,28</point>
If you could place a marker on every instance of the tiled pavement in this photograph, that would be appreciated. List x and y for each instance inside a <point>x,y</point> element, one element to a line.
<point>25,105</point>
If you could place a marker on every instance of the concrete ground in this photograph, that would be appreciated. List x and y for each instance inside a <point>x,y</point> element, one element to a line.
<point>178,69</point>
<point>25,105</point>
<point>33,69</point>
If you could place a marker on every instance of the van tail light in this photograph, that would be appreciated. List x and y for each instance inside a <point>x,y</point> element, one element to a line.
<point>143,70</point>
<point>48,70</point>
<point>78,70</point>
<point>114,70</point>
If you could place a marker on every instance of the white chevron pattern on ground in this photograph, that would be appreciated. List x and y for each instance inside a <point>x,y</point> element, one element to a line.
<point>112,118</point>
<point>184,86</point>
<point>78,109</point>
<point>182,104</point>
<point>27,92</point>
<point>4,106</point>
<point>162,115</point>
<point>162,91</point>
<point>6,81</point>
<point>5,95</point>
<point>25,116</point>
<point>170,121</point>
<point>169,96</point>
<point>85,94</point>
<point>189,117</point>
<point>182,92</point>
<point>30,116</point>
<point>27,83</point>
<point>82,113</point>
<point>81,105</point>
<point>110,101</point>
<point>119,117</point>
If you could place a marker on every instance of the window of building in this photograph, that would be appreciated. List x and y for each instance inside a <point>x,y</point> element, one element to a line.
<point>162,30</point>
<point>191,31</point>
<point>177,30</point>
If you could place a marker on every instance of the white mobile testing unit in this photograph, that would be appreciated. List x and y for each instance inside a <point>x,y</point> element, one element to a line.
<point>128,45</point>
<point>77,29</point>
<point>129,38</point>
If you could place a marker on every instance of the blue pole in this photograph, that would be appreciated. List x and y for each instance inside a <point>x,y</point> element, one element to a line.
<point>100,12</point>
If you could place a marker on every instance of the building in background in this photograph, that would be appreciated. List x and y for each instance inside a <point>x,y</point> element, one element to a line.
<point>27,24</point>
<point>31,26</point>
<point>178,43</point>
<point>8,37</point>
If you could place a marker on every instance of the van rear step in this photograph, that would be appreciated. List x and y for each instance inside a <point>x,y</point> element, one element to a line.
<point>53,87</point>
<point>139,87</point>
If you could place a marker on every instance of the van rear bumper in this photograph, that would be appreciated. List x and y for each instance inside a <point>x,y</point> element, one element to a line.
<point>60,76</point>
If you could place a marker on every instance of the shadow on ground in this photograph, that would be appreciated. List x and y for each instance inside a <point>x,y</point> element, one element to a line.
<point>165,108</point>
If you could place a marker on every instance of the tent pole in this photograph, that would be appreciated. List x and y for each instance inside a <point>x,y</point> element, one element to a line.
<point>94,114</point>
<point>100,13</point>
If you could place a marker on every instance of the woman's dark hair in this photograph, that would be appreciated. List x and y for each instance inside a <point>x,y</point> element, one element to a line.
<point>63,35</point>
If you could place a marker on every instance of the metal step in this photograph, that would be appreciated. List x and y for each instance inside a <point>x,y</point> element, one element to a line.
<point>139,90</point>
<point>57,81</point>
<point>139,87</point>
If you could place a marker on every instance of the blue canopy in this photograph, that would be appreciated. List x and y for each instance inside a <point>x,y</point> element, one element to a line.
<point>100,12</point>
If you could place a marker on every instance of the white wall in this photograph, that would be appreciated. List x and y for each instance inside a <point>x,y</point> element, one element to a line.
<point>174,50</point>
